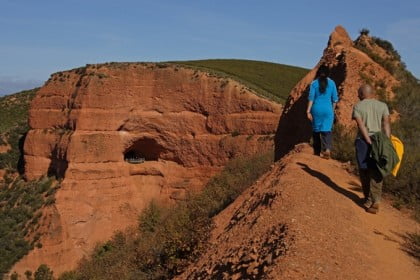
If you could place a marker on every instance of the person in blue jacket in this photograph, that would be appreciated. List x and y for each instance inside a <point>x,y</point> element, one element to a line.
<point>322,101</point>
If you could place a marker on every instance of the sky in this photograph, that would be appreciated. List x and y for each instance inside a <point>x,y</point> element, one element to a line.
<point>38,38</point>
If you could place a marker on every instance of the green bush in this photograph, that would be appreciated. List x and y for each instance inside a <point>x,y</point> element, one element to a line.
<point>388,47</point>
<point>13,126</point>
<point>406,187</point>
<point>43,273</point>
<point>169,237</point>
<point>364,31</point>
<point>20,211</point>
<point>343,144</point>
<point>14,276</point>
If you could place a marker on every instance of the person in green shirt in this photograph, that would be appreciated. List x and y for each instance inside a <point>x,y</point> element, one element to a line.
<point>371,116</point>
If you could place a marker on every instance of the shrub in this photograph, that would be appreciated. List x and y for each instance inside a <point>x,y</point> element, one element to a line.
<point>169,237</point>
<point>28,274</point>
<point>406,187</point>
<point>364,31</point>
<point>13,126</point>
<point>20,205</point>
<point>68,275</point>
<point>412,244</point>
<point>43,273</point>
<point>14,276</point>
<point>343,144</point>
<point>388,47</point>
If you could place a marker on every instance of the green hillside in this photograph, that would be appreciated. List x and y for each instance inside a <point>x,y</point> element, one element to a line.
<point>13,125</point>
<point>271,80</point>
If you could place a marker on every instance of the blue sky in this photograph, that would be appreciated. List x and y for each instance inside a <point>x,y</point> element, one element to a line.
<point>40,37</point>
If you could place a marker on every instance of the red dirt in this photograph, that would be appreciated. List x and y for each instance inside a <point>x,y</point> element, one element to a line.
<point>186,123</point>
<point>302,220</point>
<point>4,148</point>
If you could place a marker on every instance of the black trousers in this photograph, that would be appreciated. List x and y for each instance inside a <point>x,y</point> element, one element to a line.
<point>322,141</point>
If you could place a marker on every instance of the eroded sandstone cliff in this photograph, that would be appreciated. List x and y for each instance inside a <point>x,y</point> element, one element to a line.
<point>87,123</point>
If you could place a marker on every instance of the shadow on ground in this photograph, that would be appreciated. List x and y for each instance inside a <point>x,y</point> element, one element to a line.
<point>327,180</point>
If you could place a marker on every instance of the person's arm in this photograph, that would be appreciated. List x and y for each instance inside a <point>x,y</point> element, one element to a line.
<point>311,99</point>
<point>363,130</point>
<point>386,126</point>
<point>334,97</point>
<point>308,110</point>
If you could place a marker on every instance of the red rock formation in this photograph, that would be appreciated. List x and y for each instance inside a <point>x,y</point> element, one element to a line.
<point>185,123</point>
<point>349,68</point>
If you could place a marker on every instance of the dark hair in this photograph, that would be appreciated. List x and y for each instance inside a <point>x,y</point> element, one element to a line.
<point>322,75</point>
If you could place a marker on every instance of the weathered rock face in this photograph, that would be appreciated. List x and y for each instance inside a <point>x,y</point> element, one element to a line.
<point>349,68</point>
<point>86,123</point>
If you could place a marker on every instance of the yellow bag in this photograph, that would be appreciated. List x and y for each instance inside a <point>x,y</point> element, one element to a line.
<point>399,148</point>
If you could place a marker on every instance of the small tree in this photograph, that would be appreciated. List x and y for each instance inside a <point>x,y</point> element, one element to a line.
<point>28,275</point>
<point>14,276</point>
<point>364,31</point>
<point>43,273</point>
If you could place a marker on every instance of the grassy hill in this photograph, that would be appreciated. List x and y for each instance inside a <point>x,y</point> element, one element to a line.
<point>271,80</point>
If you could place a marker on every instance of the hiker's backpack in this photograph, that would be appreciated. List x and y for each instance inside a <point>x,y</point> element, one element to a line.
<point>399,148</point>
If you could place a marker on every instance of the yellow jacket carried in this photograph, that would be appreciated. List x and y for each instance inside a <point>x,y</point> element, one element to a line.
<point>399,148</point>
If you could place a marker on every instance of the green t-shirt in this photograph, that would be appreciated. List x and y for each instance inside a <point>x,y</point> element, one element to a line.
<point>371,111</point>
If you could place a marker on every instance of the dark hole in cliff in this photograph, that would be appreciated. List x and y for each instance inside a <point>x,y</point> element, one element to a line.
<point>145,149</point>
<point>58,165</point>
<point>338,73</point>
<point>21,162</point>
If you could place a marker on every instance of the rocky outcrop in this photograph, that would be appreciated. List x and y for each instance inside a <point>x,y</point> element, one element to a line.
<point>349,68</point>
<point>87,124</point>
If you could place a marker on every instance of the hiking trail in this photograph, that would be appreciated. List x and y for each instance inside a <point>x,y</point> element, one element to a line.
<point>304,220</point>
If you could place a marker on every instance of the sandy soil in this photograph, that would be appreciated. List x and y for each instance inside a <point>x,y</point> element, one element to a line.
<point>328,234</point>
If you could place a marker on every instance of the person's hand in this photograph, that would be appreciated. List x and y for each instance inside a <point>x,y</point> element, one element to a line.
<point>309,115</point>
<point>369,141</point>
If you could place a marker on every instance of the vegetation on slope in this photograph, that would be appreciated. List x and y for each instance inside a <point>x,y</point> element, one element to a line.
<point>168,238</point>
<point>20,218</point>
<point>271,80</point>
<point>21,202</point>
<point>20,210</point>
<point>13,126</point>
<point>406,187</point>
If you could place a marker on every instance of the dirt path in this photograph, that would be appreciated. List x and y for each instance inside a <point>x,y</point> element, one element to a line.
<point>328,236</point>
<point>384,232</point>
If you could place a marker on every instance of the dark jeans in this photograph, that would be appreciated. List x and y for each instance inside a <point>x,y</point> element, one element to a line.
<point>322,141</point>
<point>370,177</point>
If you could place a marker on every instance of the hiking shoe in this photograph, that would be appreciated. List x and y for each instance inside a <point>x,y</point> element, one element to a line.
<point>326,154</point>
<point>374,209</point>
<point>367,203</point>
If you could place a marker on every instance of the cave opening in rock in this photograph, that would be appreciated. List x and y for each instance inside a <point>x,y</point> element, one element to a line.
<point>141,150</point>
